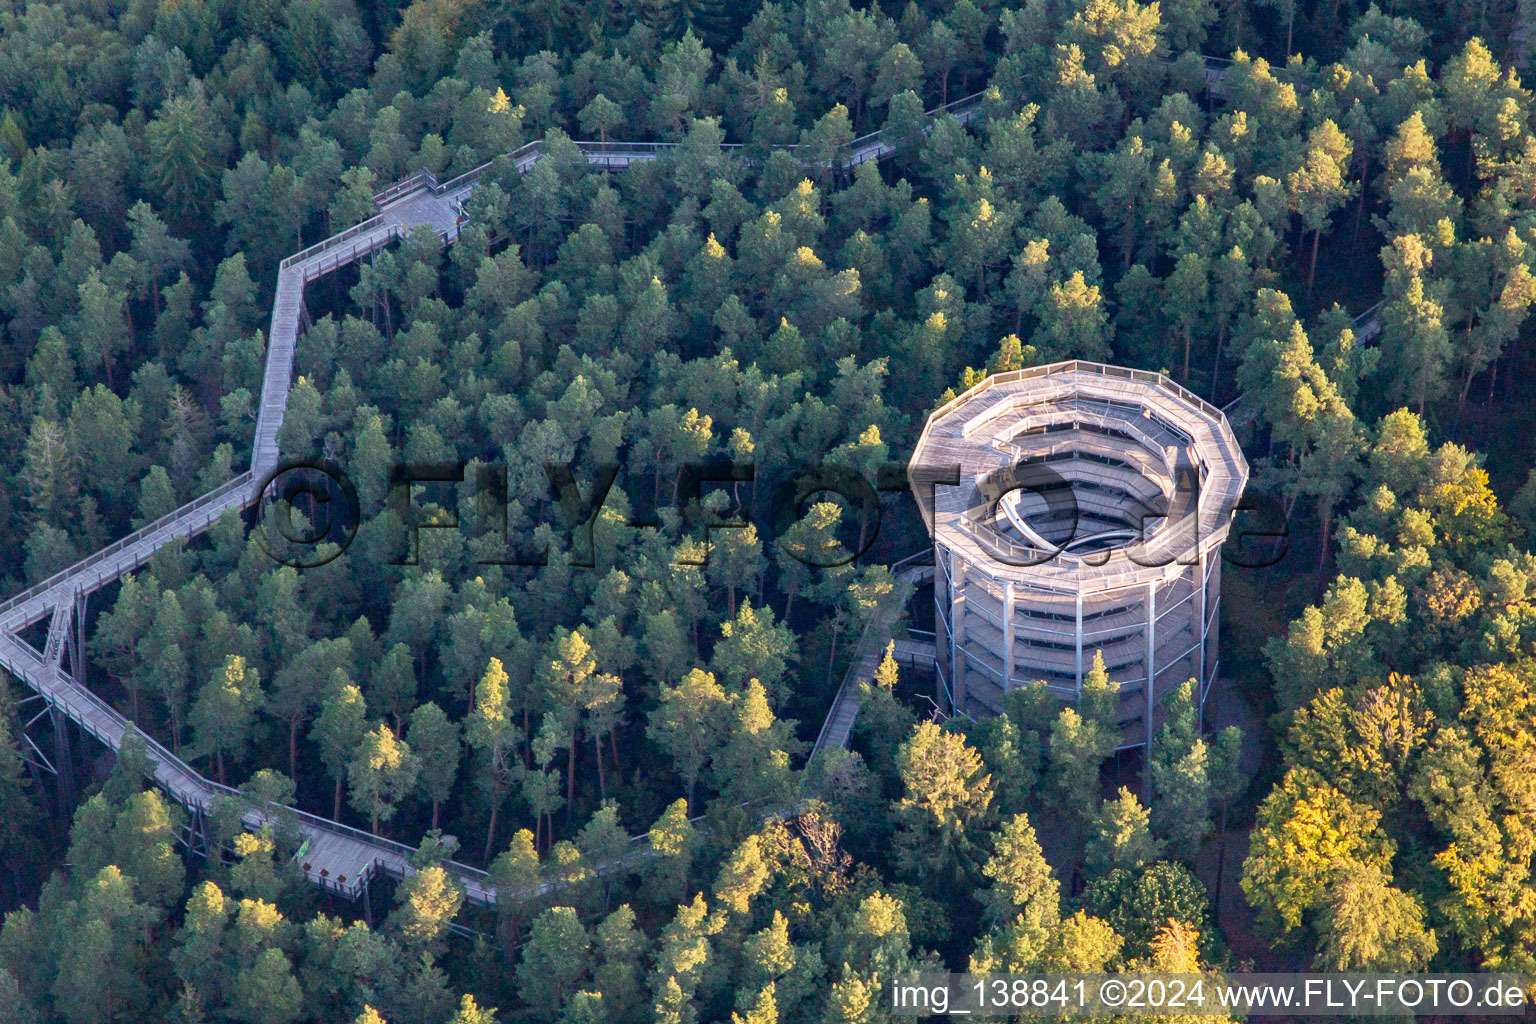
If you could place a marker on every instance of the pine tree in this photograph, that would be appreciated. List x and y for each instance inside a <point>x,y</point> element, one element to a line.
<point>600,116</point>
<point>555,961</point>
<point>339,729</point>
<point>19,815</point>
<point>569,681</point>
<point>946,799</point>
<point>1022,884</point>
<point>688,725</point>
<point>1317,188</point>
<point>381,772</point>
<point>672,841</point>
<point>752,764</point>
<point>515,875</point>
<point>1121,836</point>
<point>469,1012</point>
<point>620,947</point>
<point>391,687</point>
<point>437,745</point>
<point>489,729</point>
<point>426,904</point>
<point>1181,787</point>
<point>143,842</point>
<point>741,877</point>
<point>753,645</point>
<point>266,992</point>
<point>763,1009</point>
<point>1078,746</point>
<point>182,139</point>
<point>224,716</point>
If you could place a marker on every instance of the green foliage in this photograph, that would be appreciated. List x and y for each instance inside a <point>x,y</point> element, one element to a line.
<point>1121,836</point>
<point>946,802</point>
<point>19,814</point>
<point>1140,903</point>
<point>1368,924</point>
<point>1308,835</point>
<point>777,307</point>
<point>1022,886</point>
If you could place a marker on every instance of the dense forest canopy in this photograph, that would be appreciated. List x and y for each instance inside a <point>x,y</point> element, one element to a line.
<point>1318,215</point>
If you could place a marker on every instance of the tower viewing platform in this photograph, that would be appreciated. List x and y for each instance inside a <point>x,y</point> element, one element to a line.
<point>1077,508</point>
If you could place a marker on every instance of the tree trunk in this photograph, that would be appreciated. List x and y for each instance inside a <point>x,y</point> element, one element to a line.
<point>293,748</point>
<point>1221,337</point>
<point>570,775</point>
<point>1360,205</point>
<point>602,785</point>
<point>336,803</point>
<point>1324,513</point>
<point>490,832</point>
<point>1221,858</point>
<point>1312,267</point>
<point>436,806</point>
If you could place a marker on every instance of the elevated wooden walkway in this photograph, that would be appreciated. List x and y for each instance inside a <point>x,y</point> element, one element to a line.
<point>336,857</point>
<point>867,655</point>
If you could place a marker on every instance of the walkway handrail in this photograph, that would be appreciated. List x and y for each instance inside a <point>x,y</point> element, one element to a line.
<point>859,652</point>
<point>363,227</point>
<point>1369,313</point>
<point>426,179</point>
<point>202,500</point>
<point>404,185</point>
<point>473,175</point>
<point>186,784</point>
<point>953,107</point>
<point>322,268</point>
<point>199,791</point>
<point>71,692</point>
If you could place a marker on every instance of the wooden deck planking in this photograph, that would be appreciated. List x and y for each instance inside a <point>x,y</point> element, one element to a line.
<point>838,727</point>
<point>338,857</point>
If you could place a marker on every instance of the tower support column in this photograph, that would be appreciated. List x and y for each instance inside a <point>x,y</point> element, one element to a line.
<point>1007,638</point>
<point>957,628</point>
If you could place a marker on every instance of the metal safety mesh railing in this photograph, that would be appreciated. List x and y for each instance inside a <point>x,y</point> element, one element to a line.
<point>201,501</point>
